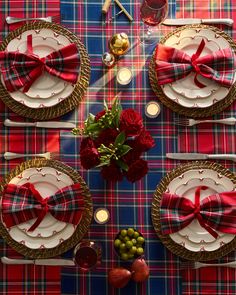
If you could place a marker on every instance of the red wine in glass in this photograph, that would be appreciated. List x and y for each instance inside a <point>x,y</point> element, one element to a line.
<point>87,255</point>
<point>152,13</point>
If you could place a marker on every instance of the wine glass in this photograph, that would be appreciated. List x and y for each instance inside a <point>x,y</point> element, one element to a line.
<point>87,255</point>
<point>152,13</point>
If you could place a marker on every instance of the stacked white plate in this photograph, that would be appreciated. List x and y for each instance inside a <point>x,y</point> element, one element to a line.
<point>194,237</point>
<point>47,90</point>
<point>184,91</point>
<point>50,232</point>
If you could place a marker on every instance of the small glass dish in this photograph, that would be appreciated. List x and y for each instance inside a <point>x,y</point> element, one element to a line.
<point>129,244</point>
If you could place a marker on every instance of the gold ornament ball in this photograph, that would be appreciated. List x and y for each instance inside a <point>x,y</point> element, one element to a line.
<point>119,44</point>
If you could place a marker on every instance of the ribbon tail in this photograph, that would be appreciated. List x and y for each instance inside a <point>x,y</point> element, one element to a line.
<point>197,82</point>
<point>198,214</point>
<point>208,228</point>
<point>38,221</point>
<point>34,76</point>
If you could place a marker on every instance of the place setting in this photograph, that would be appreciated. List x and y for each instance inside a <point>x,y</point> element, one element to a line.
<point>193,211</point>
<point>197,88</point>
<point>51,88</point>
<point>46,208</point>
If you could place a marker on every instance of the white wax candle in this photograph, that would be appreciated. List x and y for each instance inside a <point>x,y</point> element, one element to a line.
<point>124,76</point>
<point>101,215</point>
<point>152,109</point>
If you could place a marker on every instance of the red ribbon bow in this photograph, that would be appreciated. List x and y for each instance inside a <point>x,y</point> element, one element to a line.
<point>22,203</point>
<point>20,70</point>
<point>173,64</point>
<point>215,212</point>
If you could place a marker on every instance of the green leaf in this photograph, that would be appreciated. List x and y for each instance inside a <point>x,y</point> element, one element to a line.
<point>114,105</point>
<point>91,118</point>
<point>124,149</point>
<point>120,139</point>
<point>106,163</point>
<point>122,165</point>
<point>93,127</point>
<point>105,104</point>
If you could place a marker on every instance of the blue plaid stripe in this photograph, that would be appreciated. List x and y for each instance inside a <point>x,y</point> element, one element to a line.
<point>129,204</point>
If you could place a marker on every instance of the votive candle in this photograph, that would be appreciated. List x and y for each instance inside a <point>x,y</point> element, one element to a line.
<point>152,109</point>
<point>124,76</point>
<point>101,215</point>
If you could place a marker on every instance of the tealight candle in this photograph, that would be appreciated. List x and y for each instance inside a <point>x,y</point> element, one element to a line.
<point>152,109</point>
<point>124,76</point>
<point>101,215</point>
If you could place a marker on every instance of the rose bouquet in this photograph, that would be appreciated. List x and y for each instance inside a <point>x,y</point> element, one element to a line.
<point>114,141</point>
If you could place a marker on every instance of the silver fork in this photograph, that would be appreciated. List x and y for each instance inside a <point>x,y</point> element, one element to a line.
<point>12,19</point>
<point>197,264</point>
<point>47,155</point>
<point>191,122</point>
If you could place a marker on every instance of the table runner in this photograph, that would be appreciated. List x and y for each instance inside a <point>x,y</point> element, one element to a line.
<point>129,204</point>
<point>33,280</point>
<point>209,138</point>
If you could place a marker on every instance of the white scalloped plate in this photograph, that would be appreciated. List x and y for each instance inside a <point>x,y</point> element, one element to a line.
<point>184,91</point>
<point>194,237</point>
<point>50,231</point>
<point>50,95</point>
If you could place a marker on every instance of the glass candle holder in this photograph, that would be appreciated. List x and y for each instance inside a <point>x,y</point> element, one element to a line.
<point>101,215</point>
<point>124,76</point>
<point>152,109</point>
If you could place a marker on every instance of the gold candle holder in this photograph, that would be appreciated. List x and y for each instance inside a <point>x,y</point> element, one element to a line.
<point>119,44</point>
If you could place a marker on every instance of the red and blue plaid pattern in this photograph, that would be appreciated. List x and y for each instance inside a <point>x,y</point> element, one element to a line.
<point>173,64</point>
<point>215,212</point>
<point>20,70</point>
<point>22,203</point>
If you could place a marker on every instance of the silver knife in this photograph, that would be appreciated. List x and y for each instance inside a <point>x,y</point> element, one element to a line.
<point>197,156</point>
<point>43,124</point>
<point>190,21</point>
<point>52,261</point>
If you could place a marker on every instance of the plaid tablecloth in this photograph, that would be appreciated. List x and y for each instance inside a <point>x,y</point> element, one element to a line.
<point>21,279</point>
<point>129,204</point>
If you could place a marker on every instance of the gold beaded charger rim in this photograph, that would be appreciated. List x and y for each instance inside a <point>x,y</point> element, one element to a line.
<point>66,104</point>
<point>178,249</point>
<point>192,112</point>
<point>81,228</point>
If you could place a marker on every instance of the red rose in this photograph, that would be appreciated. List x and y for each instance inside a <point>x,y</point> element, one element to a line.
<point>137,170</point>
<point>99,115</point>
<point>144,141</point>
<point>131,122</point>
<point>133,155</point>
<point>112,172</point>
<point>106,137</point>
<point>89,158</point>
<point>86,142</point>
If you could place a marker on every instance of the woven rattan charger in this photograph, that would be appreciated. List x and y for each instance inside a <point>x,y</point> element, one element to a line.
<point>82,227</point>
<point>166,240</point>
<point>192,112</point>
<point>68,103</point>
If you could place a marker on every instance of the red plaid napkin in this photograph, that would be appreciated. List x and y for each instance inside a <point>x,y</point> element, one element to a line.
<point>22,203</point>
<point>22,69</point>
<point>214,212</point>
<point>173,64</point>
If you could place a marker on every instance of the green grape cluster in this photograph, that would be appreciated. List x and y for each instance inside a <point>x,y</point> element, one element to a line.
<point>129,244</point>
